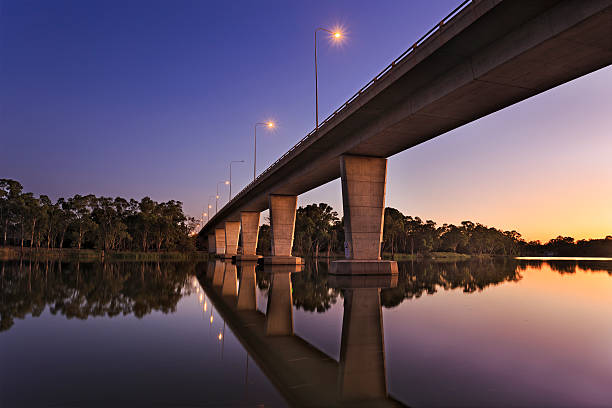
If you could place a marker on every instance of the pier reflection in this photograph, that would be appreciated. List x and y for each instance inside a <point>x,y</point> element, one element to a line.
<point>303,374</point>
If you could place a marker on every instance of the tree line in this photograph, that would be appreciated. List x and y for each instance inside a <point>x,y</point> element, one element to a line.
<point>91,222</point>
<point>319,231</point>
<point>108,223</point>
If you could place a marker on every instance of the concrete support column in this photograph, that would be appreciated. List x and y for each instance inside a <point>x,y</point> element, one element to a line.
<point>363,200</point>
<point>279,313</point>
<point>362,350</point>
<point>220,241</point>
<point>232,233</point>
<point>282,226</point>
<point>212,247</point>
<point>249,221</point>
<point>247,293</point>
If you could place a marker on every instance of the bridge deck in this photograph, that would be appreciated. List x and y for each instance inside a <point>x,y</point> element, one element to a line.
<point>491,55</point>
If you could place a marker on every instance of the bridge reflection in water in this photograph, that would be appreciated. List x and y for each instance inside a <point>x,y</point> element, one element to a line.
<point>303,374</point>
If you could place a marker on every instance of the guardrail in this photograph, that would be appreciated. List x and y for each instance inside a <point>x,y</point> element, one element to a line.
<point>345,105</point>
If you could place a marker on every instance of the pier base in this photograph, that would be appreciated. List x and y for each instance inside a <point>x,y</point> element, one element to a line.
<point>364,267</point>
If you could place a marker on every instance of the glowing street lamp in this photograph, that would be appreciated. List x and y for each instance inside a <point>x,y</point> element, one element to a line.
<point>336,35</point>
<point>226,182</point>
<point>230,180</point>
<point>269,125</point>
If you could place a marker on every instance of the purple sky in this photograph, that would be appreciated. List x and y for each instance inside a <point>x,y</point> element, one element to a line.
<point>156,97</point>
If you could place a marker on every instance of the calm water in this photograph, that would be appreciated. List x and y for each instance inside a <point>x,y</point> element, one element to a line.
<point>490,333</point>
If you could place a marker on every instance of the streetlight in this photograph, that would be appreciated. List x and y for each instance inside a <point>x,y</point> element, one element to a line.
<point>269,125</point>
<point>230,180</point>
<point>226,182</point>
<point>336,35</point>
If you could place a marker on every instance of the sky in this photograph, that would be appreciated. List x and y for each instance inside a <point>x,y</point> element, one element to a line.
<point>155,98</point>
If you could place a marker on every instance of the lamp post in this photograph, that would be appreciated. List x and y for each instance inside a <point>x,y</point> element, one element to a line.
<point>230,180</point>
<point>268,124</point>
<point>336,36</point>
<point>217,196</point>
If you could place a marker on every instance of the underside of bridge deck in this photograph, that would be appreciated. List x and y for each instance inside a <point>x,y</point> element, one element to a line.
<point>491,55</point>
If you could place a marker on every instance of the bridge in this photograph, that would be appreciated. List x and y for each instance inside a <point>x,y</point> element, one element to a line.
<point>303,374</point>
<point>485,56</point>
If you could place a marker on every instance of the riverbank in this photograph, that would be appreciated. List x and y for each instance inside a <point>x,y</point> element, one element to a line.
<point>73,254</point>
<point>432,256</point>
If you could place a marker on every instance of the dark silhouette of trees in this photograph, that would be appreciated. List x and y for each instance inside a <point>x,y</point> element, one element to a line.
<point>92,222</point>
<point>314,229</point>
<point>118,224</point>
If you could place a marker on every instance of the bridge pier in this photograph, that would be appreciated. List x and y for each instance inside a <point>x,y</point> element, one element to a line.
<point>363,200</point>
<point>211,244</point>
<point>282,226</point>
<point>232,233</point>
<point>220,241</point>
<point>249,221</point>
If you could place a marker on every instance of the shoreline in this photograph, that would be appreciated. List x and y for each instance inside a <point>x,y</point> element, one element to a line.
<point>93,255</point>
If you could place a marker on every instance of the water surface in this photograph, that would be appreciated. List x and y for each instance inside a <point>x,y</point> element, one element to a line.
<point>478,333</point>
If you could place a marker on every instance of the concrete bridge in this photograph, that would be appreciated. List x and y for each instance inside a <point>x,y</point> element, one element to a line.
<point>304,375</point>
<point>487,55</point>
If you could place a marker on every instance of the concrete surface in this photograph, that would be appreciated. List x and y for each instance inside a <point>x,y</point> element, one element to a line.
<point>282,227</point>
<point>232,234</point>
<point>211,244</point>
<point>250,230</point>
<point>363,201</point>
<point>220,241</point>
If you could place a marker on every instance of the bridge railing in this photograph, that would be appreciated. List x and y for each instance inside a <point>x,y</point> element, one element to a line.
<point>382,74</point>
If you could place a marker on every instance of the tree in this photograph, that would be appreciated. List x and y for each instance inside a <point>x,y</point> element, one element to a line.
<point>79,216</point>
<point>313,225</point>
<point>10,191</point>
<point>394,229</point>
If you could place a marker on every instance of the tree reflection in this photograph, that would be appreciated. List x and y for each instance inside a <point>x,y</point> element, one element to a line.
<point>80,290</point>
<point>311,290</point>
<point>421,278</point>
<point>569,266</point>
